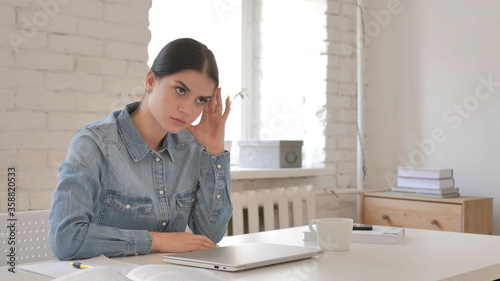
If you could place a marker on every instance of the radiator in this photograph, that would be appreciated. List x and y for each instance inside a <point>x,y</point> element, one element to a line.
<point>273,208</point>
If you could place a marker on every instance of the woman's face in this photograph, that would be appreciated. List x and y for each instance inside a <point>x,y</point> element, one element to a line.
<point>178,99</point>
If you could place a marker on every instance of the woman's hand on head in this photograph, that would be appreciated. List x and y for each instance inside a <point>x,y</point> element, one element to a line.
<point>179,242</point>
<point>210,131</point>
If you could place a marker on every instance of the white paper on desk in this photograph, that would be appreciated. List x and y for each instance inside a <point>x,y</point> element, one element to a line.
<point>151,272</point>
<point>58,269</point>
<point>94,274</point>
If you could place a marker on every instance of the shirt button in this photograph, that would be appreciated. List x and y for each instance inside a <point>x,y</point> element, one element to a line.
<point>161,192</point>
<point>157,159</point>
<point>192,200</point>
<point>218,196</point>
<point>219,166</point>
<point>163,223</point>
<point>127,206</point>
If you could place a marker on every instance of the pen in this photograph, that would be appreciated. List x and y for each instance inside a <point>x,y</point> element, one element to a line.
<point>80,265</point>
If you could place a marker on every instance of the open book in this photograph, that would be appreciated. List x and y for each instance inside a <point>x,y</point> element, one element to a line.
<point>151,272</point>
<point>106,269</point>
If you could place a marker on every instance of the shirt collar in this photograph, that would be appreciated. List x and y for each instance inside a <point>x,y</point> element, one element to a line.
<point>133,141</point>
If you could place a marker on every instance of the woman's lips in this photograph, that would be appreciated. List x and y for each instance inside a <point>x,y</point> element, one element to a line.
<point>179,122</point>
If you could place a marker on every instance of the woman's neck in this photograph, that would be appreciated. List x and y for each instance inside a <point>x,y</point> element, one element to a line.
<point>150,131</point>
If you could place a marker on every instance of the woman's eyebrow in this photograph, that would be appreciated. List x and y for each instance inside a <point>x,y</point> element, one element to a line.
<point>183,85</point>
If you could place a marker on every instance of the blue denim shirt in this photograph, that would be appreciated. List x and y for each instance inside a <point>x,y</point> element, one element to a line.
<point>113,189</point>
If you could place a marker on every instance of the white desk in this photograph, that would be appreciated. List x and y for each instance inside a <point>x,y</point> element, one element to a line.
<point>421,255</point>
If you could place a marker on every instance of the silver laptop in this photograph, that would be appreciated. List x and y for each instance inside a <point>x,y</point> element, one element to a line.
<point>242,256</point>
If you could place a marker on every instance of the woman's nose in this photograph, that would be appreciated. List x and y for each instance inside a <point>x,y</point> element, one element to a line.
<point>185,106</point>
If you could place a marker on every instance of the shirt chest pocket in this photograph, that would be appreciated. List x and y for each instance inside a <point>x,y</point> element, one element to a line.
<point>125,211</point>
<point>185,202</point>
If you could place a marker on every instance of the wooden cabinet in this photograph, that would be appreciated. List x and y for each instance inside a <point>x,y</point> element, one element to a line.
<point>460,214</point>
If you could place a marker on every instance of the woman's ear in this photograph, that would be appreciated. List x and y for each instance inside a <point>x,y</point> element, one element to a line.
<point>150,81</point>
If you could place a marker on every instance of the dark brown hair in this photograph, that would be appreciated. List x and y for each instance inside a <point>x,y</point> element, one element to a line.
<point>185,53</point>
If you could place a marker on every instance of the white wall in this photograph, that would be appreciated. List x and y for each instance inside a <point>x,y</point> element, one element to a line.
<point>63,64</point>
<point>425,74</point>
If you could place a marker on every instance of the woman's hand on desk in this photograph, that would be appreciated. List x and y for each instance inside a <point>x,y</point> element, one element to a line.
<point>178,242</point>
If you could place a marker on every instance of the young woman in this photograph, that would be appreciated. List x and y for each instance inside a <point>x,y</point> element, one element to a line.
<point>133,181</point>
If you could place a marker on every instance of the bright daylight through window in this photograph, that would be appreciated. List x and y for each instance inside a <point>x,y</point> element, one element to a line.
<point>284,63</point>
<point>217,25</point>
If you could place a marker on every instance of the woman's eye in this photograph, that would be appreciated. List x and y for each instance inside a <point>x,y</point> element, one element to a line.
<point>180,91</point>
<point>202,100</point>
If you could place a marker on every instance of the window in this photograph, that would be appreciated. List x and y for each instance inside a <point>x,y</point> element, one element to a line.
<point>282,52</point>
<point>216,24</point>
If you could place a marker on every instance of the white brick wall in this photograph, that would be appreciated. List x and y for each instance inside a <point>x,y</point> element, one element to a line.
<point>115,31</point>
<point>73,82</point>
<point>63,63</point>
<point>340,131</point>
<point>75,45</point>
<point>22,120</point>
<point>132,52</point>
<point>102,66</point>
<point>35,99</point>
<point>43,60</point>
<point>14,79</point>
<point>7,16</point>
<point>84,8</point>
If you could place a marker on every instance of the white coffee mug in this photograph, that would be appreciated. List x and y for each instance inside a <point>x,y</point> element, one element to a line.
<point>334,234</point>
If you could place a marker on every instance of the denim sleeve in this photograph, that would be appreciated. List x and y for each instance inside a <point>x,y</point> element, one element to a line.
<point>73,235</point>
<point>213,208</point>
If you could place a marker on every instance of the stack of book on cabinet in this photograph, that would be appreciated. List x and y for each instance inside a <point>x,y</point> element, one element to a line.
<point>438,183</point>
